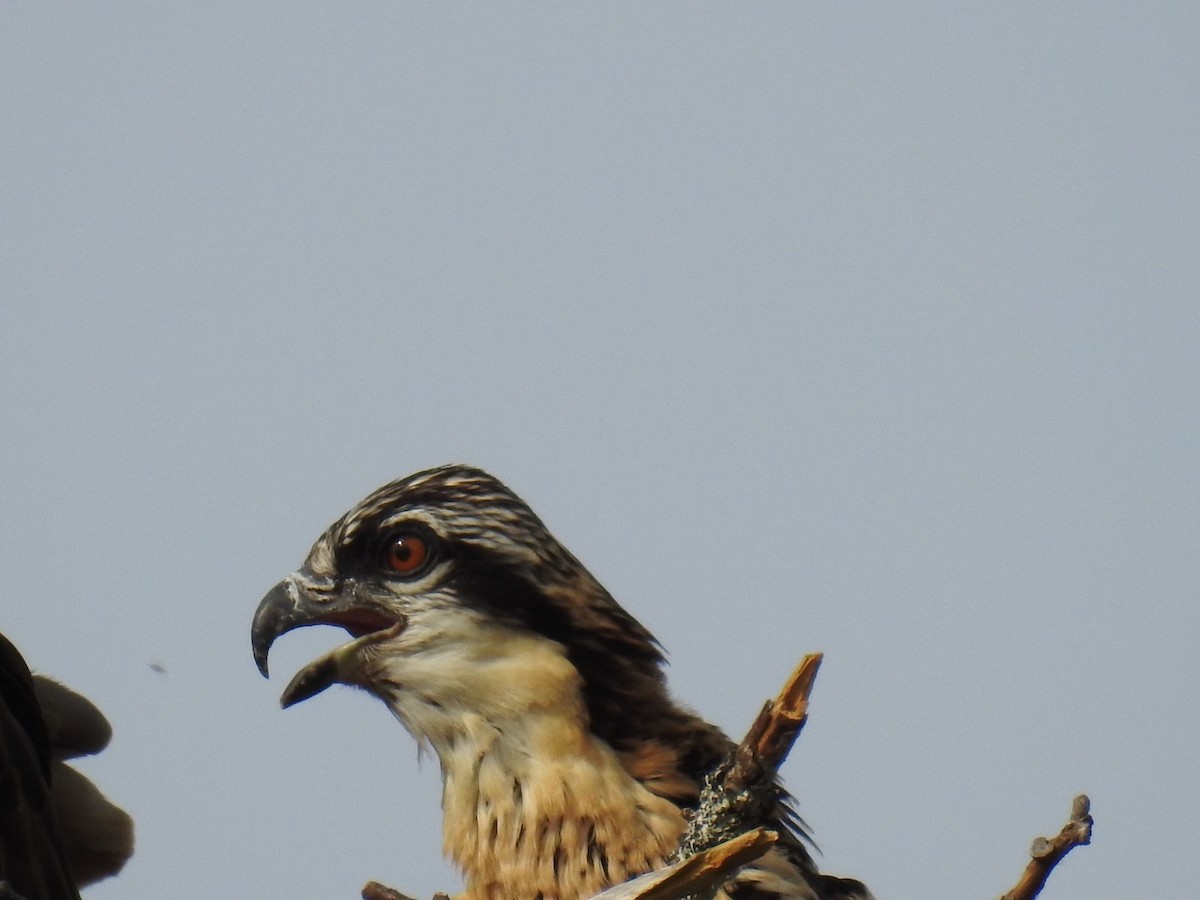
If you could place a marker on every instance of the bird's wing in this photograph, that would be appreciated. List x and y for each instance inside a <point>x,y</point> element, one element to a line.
<point>33,861</point>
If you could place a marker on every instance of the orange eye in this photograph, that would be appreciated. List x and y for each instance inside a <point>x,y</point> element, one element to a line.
<point>405,554</point>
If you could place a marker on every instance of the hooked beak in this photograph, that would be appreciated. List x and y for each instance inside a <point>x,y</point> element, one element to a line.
<point>301,600</point>
<point>286,606</point>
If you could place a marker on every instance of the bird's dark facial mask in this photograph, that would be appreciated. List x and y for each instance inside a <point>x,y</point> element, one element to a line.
<point>338,666</point>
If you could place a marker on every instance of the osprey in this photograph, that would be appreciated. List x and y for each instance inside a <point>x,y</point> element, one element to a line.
<point>566,766</point>
<point>57,831</point>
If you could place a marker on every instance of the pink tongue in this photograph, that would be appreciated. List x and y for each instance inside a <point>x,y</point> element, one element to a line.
<point>359,621</point>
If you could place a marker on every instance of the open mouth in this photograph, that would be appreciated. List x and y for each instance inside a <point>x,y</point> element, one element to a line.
<point>339,665</point>
<point>358,622</point>
<point>301,601</point>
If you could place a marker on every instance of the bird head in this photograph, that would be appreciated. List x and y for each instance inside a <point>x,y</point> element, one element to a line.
<point>459,601</point>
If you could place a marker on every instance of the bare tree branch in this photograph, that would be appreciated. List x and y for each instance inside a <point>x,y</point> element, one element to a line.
<point>697,874</point>
<point>741,791</point>
<point>1046,853</point>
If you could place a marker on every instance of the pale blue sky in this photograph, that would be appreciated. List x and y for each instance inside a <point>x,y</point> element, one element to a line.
<point>866,329</point>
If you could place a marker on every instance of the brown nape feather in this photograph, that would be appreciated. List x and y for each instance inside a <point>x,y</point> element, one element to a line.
<point>616,657</point>
<point>656,765</point>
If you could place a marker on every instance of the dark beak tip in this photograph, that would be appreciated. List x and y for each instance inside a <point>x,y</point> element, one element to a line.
<point>261,640</point>
<point>276,615</point>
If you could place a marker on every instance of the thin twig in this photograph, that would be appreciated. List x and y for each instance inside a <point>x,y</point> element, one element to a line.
<point>1046,853</point>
